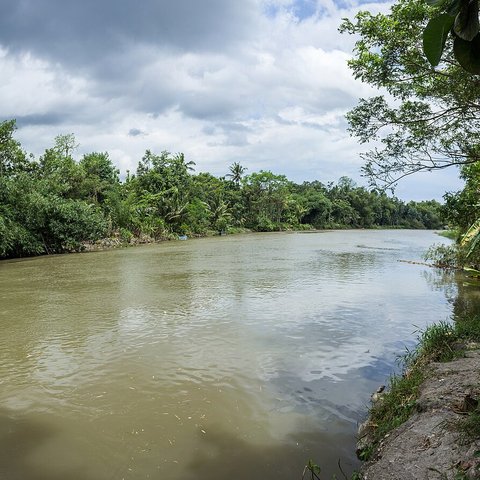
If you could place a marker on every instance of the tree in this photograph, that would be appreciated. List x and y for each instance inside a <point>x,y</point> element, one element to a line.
<point>462,208</point>
<point>267,197</point>
<point>101,176</point>
<point>236,172</point>
<point>313,196</point>
<point>12,157</point>
<point>65,144</point>
<point>215,205</point>
<point>430,119</point>
<point>162,185</point>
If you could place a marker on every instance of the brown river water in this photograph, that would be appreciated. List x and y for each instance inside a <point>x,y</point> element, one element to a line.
<point>238,357</point>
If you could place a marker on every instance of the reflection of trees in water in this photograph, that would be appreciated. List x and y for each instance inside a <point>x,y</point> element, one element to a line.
<point>467,303</point>
<point>461,291</point>
<point>442,280</point>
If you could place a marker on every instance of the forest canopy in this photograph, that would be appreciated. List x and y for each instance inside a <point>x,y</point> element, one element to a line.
<point>55,203</point>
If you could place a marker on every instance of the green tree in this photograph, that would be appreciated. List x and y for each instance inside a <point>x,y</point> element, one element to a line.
<point>58,167</point>
<point>236,172</point>
<point>65,144</point>
<point>462,209</point>
<point>267,197</point>
<point>217,204</point>
<point>313,196</point>
<point>101,176</point>
<point>430,119</point>
<point>162,185</point>
<point>12,157</point>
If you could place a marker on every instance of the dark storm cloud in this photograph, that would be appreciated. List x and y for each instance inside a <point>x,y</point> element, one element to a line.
<point>83,32</point>
<point>127,50</point>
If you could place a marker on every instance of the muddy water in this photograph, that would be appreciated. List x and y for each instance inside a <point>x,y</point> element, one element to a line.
<point>234,357</point>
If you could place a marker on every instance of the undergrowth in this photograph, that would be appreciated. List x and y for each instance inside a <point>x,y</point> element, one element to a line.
<point>440,342</point>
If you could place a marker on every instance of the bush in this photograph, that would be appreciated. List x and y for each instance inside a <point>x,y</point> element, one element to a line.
<point>445,256</point>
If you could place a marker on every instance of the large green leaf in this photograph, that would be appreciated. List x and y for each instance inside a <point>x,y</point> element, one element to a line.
<point>453,7</point>
<point>466,24</point>
<point>434,37</point>
<point>468,54</point>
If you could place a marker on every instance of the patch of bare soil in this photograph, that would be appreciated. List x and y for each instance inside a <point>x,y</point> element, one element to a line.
<point>429,445</point>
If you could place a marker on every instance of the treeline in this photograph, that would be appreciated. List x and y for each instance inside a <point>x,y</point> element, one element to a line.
<point>54,203</point>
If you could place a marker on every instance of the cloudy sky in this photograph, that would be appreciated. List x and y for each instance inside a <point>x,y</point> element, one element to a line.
<point>260,82</point>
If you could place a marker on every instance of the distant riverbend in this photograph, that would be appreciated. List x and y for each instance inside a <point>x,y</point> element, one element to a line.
<point>229,357</point>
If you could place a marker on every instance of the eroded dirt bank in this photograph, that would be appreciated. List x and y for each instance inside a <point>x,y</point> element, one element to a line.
<point>430,444</point>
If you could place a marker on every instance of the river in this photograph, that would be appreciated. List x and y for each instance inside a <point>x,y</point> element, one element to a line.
<point>235,357</point>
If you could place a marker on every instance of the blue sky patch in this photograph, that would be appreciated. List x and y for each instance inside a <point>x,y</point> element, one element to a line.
<point>304,9</point>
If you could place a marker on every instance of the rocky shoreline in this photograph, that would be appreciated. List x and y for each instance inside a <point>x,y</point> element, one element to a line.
<point>430,444</point>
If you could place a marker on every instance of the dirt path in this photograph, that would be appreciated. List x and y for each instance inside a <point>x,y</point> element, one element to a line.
<point>429,445</point>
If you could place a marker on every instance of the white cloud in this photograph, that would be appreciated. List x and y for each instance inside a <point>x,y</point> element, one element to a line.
<point>271,94</point>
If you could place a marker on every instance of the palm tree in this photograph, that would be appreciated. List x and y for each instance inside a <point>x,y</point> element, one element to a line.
<point>236,172</point>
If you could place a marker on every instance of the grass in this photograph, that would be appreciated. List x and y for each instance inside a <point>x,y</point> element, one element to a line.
<point>451,234</point>
<point>468,328</point>
<point>396,406</point>
<point>441,342</point>
<point>438,343</point>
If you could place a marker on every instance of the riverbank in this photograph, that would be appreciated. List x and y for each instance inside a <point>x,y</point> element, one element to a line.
<point>427,424</point>
<point>117,241</point>
<point>433,443</point>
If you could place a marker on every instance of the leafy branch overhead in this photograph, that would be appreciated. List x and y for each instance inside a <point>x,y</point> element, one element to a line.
<point>422,119</point>
<point>460,20</point>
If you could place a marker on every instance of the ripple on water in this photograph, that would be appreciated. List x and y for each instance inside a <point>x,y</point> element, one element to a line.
<point>253,347</point>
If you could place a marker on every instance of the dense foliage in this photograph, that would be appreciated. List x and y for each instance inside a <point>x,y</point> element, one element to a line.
<point>462,212</point>
<point>424,118</point>
<point>55,203</point>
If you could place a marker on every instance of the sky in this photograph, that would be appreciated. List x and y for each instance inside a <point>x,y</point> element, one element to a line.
<point>261,82</point>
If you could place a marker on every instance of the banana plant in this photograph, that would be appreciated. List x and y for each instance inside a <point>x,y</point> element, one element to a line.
<point>471,238</point>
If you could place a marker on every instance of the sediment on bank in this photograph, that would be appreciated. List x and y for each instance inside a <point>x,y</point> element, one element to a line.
<point>117,241</point>
<point>426,425</point>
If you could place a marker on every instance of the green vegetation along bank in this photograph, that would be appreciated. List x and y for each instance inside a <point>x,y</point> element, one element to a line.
<point>55,203</point>
<point>426,424</point>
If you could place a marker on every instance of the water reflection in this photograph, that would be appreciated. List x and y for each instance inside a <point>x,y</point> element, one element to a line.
<point>238,356</point>
<point>460,290</point>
